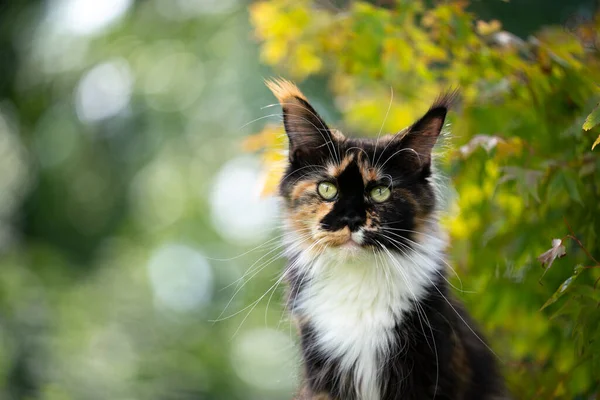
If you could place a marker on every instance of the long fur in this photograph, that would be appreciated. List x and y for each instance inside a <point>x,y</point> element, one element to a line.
<point>355,302</point>
<point>367,277</point>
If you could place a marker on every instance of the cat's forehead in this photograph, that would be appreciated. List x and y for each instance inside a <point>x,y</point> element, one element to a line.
<point>361,157</point>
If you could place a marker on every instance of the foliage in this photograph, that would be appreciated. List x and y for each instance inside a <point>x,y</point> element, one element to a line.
<point>591,121</point>
<point>119,121</point>
<point>523,174</point>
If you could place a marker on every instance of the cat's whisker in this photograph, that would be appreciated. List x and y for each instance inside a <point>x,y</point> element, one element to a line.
<point>275,248</point>
<point>287,270</point>
<point>384,120</point>
<point>302,177</point>
<point>368,310</point>
<point>360,150</point>
<point>458,314</point>
<point>270,105</point>
<point>408,149</point>
<point>319,130</point>
<point>305,273</point>
<point>255,303</point>
<point>313,166</point>
<point>420,313</point>
<point>259,119</point>
<point>249,251</point>
<point>465,322</point>
<point>263,266</point>
<point>254,271</point>
<point>436,255</point>
<point>252,305</point>
<point>307,270</point>
<point>398,243</point>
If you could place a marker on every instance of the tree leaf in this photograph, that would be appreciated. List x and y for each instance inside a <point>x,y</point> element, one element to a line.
<point>591,121</point>
<point>571,183</point>
<point>487,28</point>
<point>562,289</point>
<point>527,180</point>
<point>556,251</point>
<point>596,142</point>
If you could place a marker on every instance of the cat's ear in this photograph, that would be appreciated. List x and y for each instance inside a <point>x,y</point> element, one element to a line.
<point>308,135</point>
<point>421,136</point>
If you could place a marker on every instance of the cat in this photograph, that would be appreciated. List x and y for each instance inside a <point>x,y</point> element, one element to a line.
<point>367,284</point>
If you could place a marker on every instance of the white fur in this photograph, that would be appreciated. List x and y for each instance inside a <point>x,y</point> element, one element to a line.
<point>353,299</point>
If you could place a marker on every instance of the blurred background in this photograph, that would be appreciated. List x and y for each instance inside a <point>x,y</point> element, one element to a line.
<point>139,150</point>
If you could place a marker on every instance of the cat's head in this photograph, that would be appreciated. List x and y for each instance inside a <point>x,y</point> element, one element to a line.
<point>353,194</point>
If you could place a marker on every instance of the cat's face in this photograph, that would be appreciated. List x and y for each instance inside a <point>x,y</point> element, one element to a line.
<point>355,194</point>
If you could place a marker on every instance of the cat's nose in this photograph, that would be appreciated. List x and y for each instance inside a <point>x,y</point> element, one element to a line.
<point>353,221</point>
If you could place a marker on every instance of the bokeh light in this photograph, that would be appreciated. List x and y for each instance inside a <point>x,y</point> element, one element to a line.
<point>181,279</point>
<point>239,213</point>
<point>104,91</point>
<point>139,254</point>
<point>86,17</point>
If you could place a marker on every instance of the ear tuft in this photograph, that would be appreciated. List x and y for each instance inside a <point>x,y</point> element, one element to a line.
<point>423,134</point>
<point>309,137</point>
<point>284,90</point>
<point>446,100</point>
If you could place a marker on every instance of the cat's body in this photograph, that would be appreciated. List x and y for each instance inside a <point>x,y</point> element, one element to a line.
<point>367,284</point>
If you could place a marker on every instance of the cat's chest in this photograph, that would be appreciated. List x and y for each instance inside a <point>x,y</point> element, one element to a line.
<point>354,309</point>
<point>352,300</point>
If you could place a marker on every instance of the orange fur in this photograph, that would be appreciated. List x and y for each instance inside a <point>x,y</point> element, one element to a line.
<point>337,135</point>
<point>337,169</point>
<point>336,238</point>
<point>301,188</point>
<point>284,90</point>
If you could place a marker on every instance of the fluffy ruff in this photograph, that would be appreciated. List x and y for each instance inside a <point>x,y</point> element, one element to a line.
<point>366,273</point>
<point>377,324</point>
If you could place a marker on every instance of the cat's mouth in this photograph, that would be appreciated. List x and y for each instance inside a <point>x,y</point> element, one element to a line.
<point>344,239</point>
<point>350,244</point>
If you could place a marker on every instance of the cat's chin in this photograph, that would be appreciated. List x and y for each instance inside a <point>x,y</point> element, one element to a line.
<point>349,249</point>
<point>351,246</point>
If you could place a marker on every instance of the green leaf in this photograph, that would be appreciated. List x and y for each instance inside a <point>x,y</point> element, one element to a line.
<point>591,121</point>
<point>556,186</point>
<point>562,289</point>
<point>588,292</point>
<point>527,180</point>
<point>566,310</point>
<point>571,183</point>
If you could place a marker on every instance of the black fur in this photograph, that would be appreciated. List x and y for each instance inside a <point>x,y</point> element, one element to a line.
<point>352,204</point>
<point>350,209</point>
<point>434,354</point>
<point>411,369</point>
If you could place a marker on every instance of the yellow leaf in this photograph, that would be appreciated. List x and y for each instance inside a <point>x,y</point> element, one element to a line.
<point>273,51</point>
<point>592,120</point>
<point>307,61</point>
<point>271,176</point>
<point>271,142</point>
<point>262,14</point>
<point>271,137</point>
<point>487,28</point>
<point>596,142</point>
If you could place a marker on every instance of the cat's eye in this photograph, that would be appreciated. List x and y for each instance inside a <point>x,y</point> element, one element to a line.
<point>380,194</point>
<point>327,190</point>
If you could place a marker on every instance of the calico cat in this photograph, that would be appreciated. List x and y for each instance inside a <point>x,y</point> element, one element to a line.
<point>366,274</point>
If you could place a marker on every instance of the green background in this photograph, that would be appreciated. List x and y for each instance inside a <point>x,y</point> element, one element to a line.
<point>130,212</point>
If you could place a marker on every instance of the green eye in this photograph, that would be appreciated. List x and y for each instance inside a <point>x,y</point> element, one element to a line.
<point>327,190</point>
<point>380,194</point>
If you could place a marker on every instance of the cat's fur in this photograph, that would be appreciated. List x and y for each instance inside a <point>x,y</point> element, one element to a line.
<point>367,280</point>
